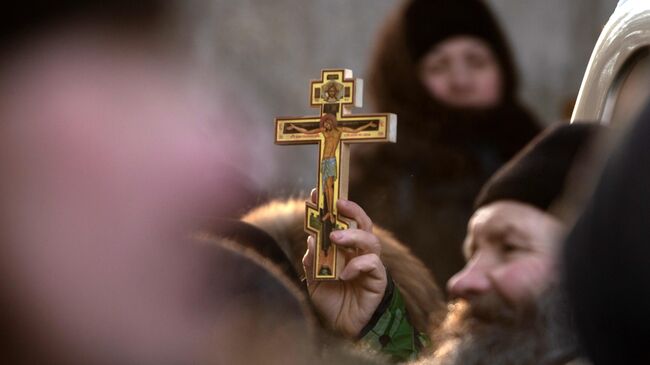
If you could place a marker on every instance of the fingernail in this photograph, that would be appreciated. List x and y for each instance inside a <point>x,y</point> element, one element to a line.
<point>336,235</point>
<point>343,201</point>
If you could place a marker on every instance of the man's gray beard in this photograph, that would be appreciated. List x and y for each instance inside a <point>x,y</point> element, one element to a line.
<point>490,331</point>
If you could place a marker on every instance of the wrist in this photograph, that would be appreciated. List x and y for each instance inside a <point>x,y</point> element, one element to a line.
<point>383,306</point>
<point>392,334</point>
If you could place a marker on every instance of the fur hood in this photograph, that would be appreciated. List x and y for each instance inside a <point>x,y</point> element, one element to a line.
<point>283,220</point>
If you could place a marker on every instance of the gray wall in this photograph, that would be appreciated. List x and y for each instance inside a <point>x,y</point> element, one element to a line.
<point>269,50</point>
<point>553,40</point>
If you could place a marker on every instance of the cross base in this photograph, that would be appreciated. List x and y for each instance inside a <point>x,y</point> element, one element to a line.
<point>329,259</point>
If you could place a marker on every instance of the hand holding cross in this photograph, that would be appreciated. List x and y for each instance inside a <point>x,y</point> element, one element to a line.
<point>347,305</point>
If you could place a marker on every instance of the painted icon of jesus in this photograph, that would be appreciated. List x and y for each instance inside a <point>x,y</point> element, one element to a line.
<point>329,168</point>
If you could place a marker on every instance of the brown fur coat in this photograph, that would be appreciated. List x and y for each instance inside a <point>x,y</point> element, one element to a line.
<point>283,220</point>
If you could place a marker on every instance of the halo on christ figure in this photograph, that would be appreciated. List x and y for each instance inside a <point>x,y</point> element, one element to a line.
<point>332,91</point>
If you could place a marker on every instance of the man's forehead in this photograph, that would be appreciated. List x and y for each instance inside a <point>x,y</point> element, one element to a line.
<point>506,210</point>
<point>501,218</point>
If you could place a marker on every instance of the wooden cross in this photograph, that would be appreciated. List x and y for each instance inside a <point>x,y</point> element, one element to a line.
<point>336,93</point>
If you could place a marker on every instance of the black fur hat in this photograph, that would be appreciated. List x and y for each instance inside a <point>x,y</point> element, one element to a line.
<point>538,173</point>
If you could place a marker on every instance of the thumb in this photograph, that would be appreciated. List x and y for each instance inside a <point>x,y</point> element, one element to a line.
<point>308,260</point>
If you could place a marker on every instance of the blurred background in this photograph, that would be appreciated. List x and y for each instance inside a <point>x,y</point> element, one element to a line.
<point>117,141</point>
<point>272,49</point>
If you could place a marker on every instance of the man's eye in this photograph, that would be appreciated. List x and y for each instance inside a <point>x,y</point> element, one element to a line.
<point>508,248</point>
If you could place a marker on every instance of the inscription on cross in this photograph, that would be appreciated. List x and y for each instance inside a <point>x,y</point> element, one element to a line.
<point>336,93</point>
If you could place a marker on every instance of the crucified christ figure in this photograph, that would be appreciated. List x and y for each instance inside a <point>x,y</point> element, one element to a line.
<point>332,133</point>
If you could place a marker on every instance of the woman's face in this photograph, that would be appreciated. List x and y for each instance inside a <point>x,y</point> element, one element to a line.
<point>462,72</point>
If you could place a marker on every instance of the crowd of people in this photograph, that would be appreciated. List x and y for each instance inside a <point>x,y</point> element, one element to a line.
<point>479,237</point>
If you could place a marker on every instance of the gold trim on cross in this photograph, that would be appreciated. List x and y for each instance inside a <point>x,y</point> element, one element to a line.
<point>336,93</point>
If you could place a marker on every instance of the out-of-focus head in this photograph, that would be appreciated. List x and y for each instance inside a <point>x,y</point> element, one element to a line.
<point>108,155</point>
<point>460,52</point>
<point>511,247</point>
<point>462,72</point>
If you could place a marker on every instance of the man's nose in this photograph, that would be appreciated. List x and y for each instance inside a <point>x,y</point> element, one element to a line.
<point>470,282</point>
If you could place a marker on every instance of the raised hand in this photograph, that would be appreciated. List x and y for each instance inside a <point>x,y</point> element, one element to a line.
<point>347,305</point>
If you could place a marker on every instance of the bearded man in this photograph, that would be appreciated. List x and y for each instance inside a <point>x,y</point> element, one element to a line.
<point>507,307</point>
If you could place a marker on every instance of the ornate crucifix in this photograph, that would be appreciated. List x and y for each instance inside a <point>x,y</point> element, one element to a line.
<point>336,93</point>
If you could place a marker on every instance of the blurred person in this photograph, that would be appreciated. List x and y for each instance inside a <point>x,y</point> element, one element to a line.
<point>259,309</point>
<point>445,68</point>
<point>508,307</point>
<point>110,150</point>
<point>606,255</point>
<point>264,314</point>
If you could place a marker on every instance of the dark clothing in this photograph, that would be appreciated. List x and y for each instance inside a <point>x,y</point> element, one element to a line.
<point>607,256</point>
<point>538,174</point>
<point>253,238</point>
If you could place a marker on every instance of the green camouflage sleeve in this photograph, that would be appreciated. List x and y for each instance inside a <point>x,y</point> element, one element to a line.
<point>389,330</point>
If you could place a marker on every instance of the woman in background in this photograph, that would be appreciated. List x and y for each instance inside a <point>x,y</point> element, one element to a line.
<point>445,68</point>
